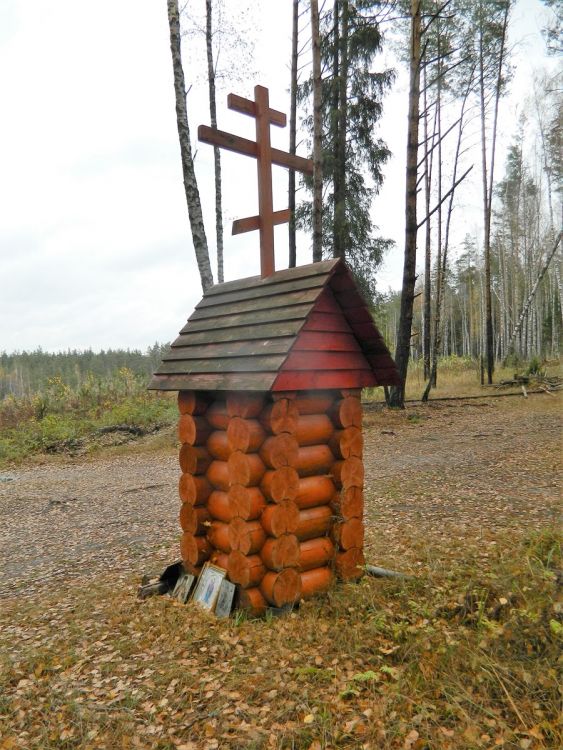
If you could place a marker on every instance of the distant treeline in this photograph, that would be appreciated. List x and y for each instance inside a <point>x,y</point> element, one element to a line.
<point>25,373</point>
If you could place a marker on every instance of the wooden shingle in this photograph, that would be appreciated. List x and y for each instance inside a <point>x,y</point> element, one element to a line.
<point>298,329</point>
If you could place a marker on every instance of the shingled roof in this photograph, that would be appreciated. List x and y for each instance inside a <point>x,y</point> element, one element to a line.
<point>298,329</point>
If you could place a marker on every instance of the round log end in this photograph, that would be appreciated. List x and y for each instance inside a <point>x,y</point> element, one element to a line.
<point>194,490</point>
<point>192,402</point>
<point>281,416</point>
<point>245,468</point>
<point>246,536</point>
<point>279,451</point>
<point>246,435</point>
<point>195,550</point>
<point>349,534</point>
<point>281,518</point>
<point>246,502</point>
<point>350,564</point>
<point>245,405</point>
<point>280,553</point>
<point>246,570</point>
<point>252,601</point>
<point>281,588</point>
<point>281,484</point>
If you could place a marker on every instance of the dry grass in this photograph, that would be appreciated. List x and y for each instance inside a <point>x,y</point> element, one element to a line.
<point>464,657</point>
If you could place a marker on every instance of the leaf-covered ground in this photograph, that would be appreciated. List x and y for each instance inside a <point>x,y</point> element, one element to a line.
<point>465,655</point>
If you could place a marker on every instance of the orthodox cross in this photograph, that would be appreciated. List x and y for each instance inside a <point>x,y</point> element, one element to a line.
<point>265,156</point>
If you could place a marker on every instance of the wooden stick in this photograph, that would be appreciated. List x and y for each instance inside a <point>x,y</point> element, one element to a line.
<point>281,518</point>
<point>280,553</point>
<point>279,485</point>
<point>373,570</point>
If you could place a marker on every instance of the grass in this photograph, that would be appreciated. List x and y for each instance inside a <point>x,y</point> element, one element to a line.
<point>460,658</point>
<point>458,376</point>
<point>63,419</point>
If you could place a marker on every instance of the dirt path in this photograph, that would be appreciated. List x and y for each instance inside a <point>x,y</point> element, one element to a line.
<point>443,470</point>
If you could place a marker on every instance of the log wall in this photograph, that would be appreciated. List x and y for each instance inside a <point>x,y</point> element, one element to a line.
<point>272,490</point>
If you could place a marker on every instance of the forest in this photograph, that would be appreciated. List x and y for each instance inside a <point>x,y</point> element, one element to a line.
<point>492,294</point>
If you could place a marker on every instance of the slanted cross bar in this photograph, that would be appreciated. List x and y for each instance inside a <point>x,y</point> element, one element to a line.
<point>265,156</point>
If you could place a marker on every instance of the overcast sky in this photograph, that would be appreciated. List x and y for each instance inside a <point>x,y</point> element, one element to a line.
<point>95,249</point>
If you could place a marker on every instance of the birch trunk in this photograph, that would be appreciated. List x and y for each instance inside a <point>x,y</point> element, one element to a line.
<point>293,134</point>
<point>216,150</point>
<point>190,183</point>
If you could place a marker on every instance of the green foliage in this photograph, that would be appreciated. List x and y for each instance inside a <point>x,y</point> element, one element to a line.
<point>61,416</point>
<point>352,157</point>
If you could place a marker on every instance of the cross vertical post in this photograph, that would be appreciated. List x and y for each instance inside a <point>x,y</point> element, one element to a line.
<point>265,156</point>
<point>264,166</point>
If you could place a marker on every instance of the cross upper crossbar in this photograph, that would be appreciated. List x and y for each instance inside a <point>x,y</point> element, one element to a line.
<point>265,156</point>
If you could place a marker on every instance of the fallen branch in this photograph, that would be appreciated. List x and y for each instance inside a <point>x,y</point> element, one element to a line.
<point>373,570</point>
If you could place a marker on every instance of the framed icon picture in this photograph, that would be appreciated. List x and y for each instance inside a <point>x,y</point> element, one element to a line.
<point>208,585</point>
<point>183,587</point>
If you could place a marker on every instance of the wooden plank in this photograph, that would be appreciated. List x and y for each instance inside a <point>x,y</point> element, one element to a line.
<point>265,195</point>
<point>202,320</point>
<point>328,360</point>
<point>214,382</point>
<point>251,223</point>
<point>245,147</point>
<point>226,364</point>
<point>318,321</point>
<point>366,330</point>
<point>220,138</point>
<point>324,268</point>
<point>381,361</point>
<point>230,349</point>
<point>240,333</point>
<point>350,298</point>
<point>313,341</point>
<point>261,292</point>
<point>290,299</point>
<point>300,381</point>
<point>248,107</point>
